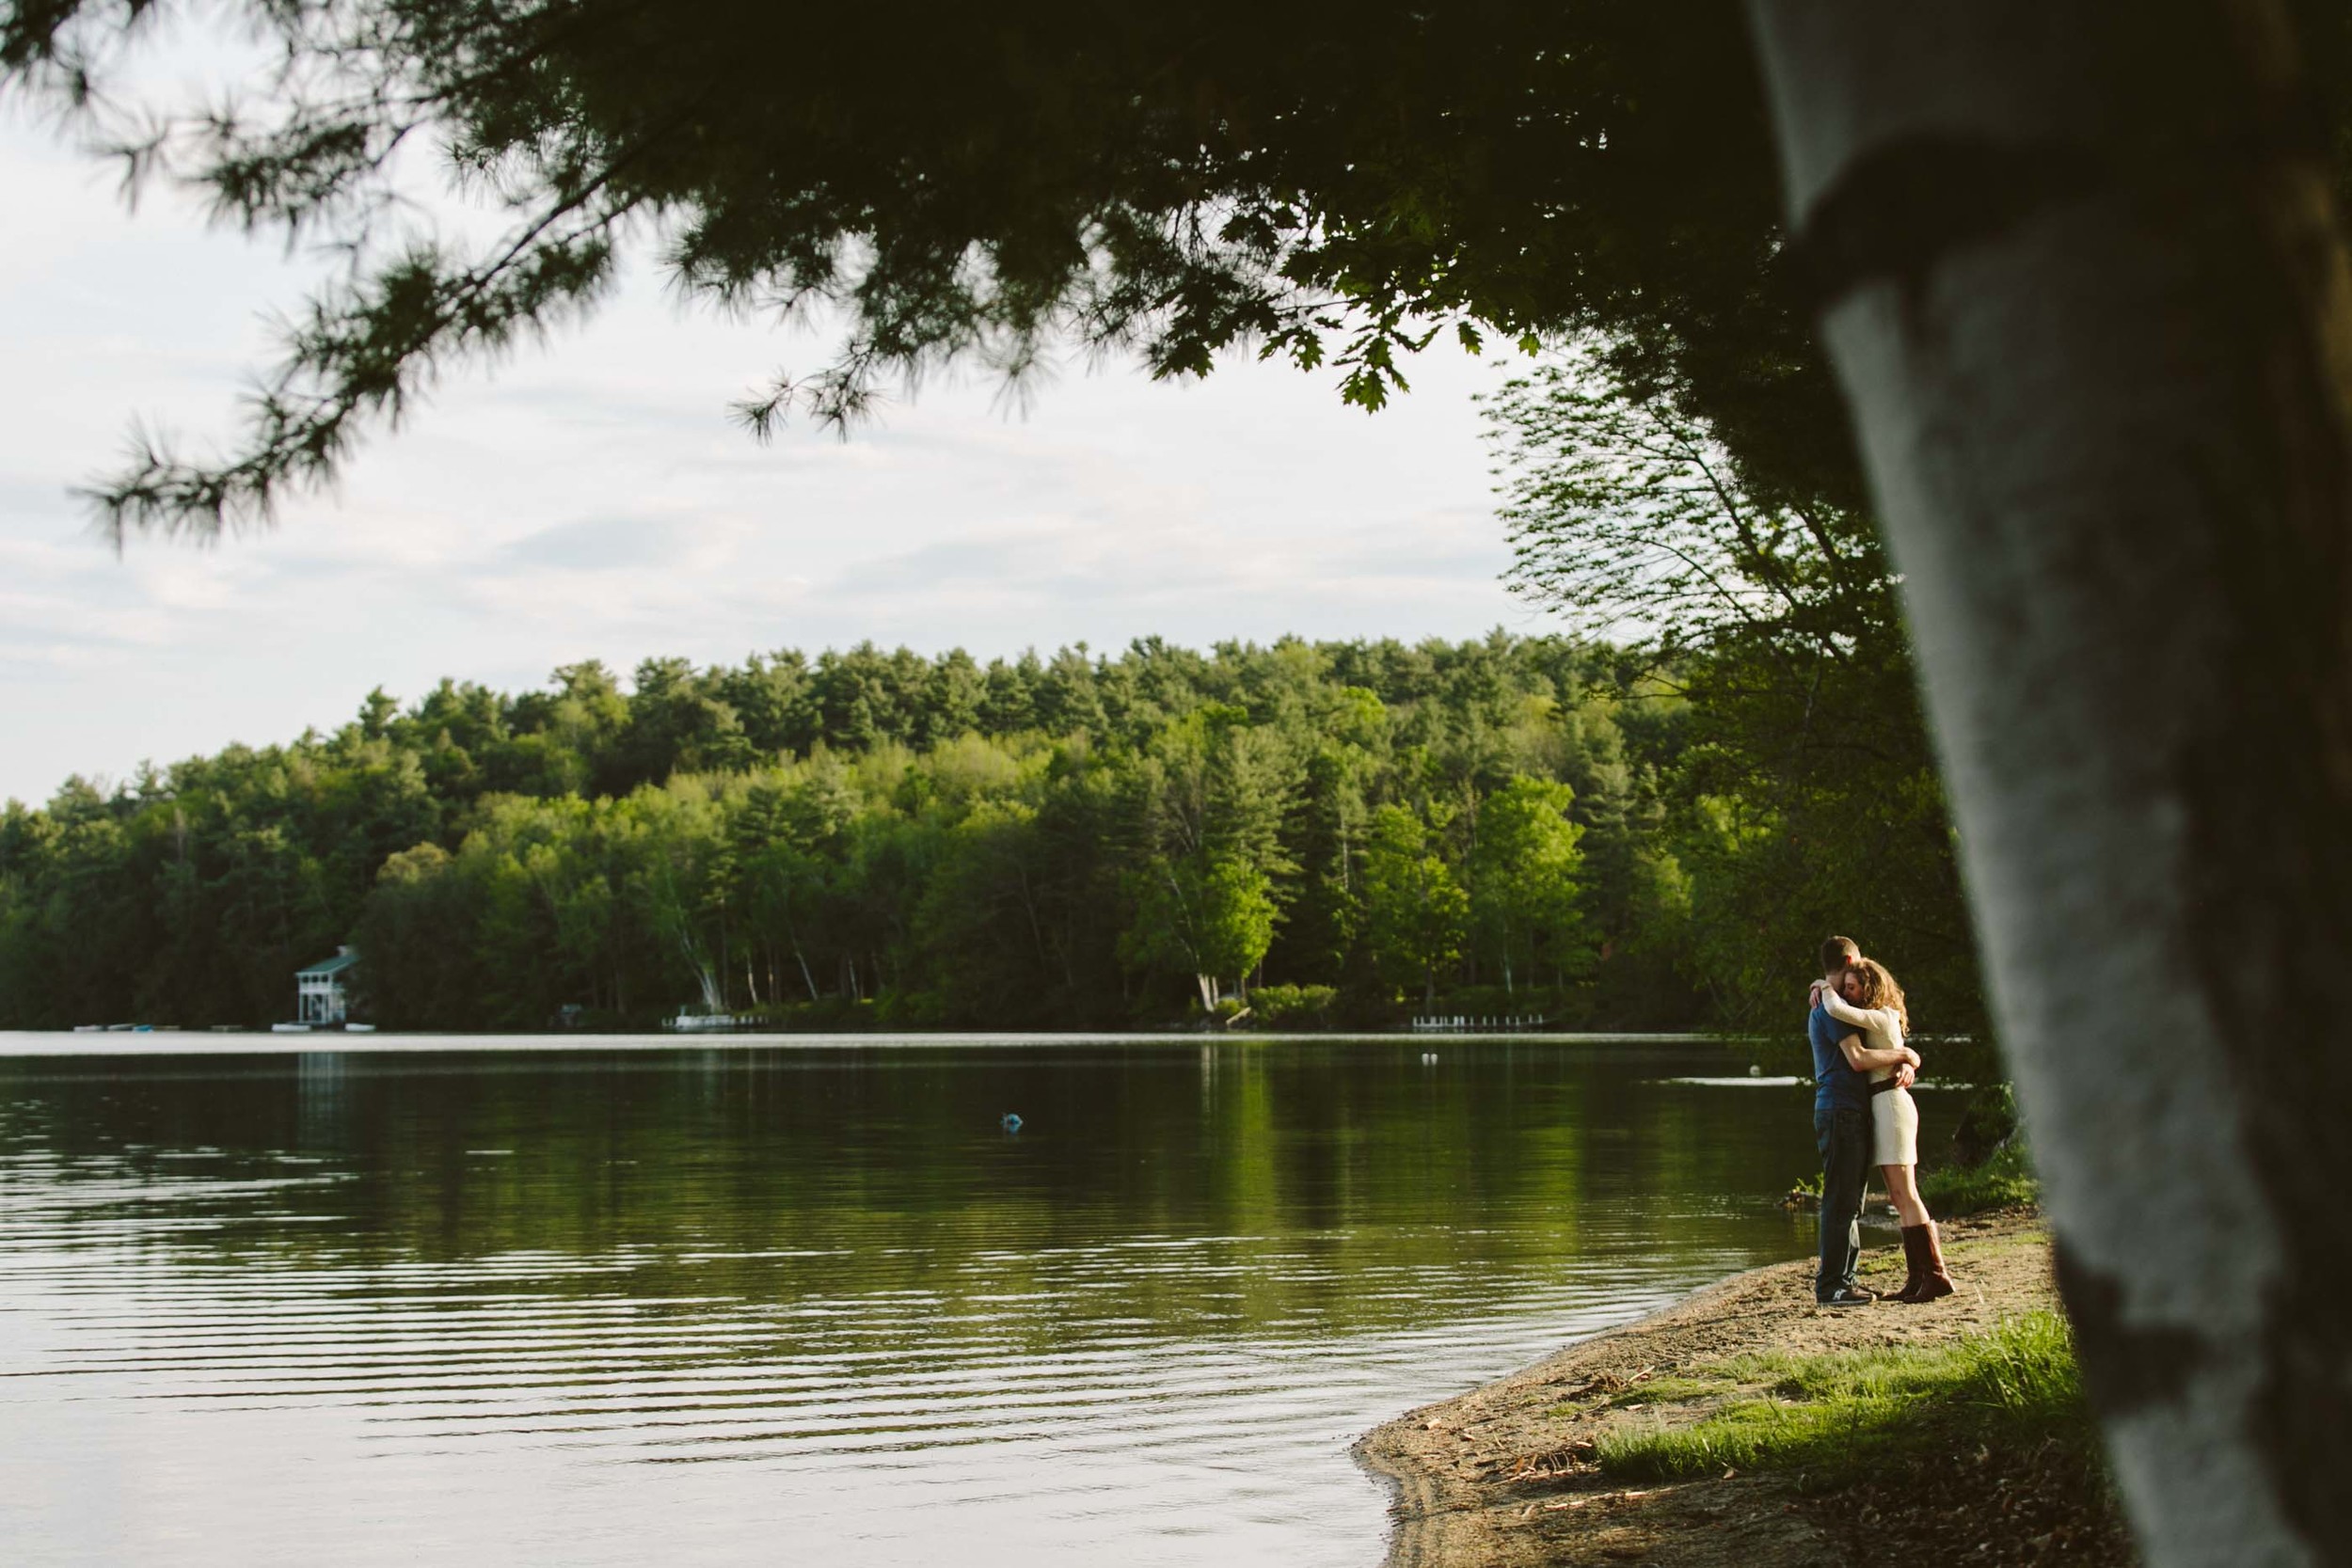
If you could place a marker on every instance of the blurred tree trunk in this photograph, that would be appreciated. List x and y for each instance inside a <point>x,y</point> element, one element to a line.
<point>2079,272</point>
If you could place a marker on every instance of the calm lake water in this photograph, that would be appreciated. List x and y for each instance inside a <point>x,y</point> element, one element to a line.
<point>812,1303</point>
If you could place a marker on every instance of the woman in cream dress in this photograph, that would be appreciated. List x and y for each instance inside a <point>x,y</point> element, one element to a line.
<point>1872,1003</point>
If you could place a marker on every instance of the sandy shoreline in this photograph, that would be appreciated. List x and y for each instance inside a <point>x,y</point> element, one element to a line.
<point>1501,1475</point>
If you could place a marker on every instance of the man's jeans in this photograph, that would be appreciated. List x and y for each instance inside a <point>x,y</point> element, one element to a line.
<point>1844,1136</point>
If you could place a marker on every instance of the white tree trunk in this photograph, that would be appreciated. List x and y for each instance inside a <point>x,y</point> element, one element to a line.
<point>2081,279</point>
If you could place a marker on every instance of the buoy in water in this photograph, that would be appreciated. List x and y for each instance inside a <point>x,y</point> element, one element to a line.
<point>1755,1072</point>
<point>1012,1123</point>
<point>1429,1058</point>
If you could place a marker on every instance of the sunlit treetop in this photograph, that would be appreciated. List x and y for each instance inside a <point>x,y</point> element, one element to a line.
<point>1332,184</point>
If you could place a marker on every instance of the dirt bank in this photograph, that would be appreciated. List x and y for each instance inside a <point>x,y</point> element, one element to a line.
<point>1504,1476</point>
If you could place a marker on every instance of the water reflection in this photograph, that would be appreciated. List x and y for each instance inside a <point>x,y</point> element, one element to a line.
<point>613,1306</point>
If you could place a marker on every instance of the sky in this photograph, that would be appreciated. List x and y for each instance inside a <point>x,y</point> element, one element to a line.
<point>592,500</point>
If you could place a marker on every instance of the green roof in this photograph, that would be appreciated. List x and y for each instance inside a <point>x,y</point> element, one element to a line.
<point>335,965</point>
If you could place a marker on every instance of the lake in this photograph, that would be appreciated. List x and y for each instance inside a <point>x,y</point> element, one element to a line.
<point>590,1301</point>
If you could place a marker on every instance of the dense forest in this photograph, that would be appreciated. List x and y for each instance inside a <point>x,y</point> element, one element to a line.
<point>1315,832</point>
<point>1336,834</point>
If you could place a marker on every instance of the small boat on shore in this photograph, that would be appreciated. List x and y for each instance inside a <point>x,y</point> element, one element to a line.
<point>289,1028</point>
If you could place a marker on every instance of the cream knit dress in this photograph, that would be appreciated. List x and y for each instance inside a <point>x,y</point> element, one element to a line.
<point>1894,1115</point>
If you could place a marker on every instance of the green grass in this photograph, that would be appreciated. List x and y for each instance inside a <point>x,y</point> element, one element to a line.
<point>2002,1182</point>
<point>1839,1414</point>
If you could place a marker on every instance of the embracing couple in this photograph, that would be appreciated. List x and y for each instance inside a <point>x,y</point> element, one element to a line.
<point>1863,1115</point>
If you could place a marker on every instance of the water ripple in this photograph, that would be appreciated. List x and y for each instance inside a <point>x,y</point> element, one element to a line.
<point>548,1313</point>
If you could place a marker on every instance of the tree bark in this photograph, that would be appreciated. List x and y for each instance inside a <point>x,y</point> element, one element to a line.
<point>2080,277</point>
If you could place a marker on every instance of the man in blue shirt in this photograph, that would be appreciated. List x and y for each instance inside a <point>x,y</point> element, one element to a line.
<point>1842,1065</point>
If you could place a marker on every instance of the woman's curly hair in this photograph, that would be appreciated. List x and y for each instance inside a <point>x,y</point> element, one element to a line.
<point>1879,990</point>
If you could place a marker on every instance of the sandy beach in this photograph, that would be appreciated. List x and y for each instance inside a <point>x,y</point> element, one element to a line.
<point>1506,1475</point>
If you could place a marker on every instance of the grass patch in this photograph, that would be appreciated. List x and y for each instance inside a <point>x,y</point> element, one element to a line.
<point>1843,1415</point>
<point>2003,1181</point>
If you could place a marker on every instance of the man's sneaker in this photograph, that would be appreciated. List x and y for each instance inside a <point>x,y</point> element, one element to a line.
<point>1852,1296</point>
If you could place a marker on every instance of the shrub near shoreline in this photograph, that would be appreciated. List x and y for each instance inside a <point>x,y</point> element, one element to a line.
<point>2004,1180</point>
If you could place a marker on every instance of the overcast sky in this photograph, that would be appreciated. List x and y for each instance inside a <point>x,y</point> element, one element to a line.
<point>592,501</point>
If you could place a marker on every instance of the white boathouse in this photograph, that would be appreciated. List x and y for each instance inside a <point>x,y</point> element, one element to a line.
<point>320,994</point>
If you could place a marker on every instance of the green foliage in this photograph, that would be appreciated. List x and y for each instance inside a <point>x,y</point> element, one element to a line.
<point>1839,1415</point>
<point>1210,791</point>
<point>2005,1180</point>
<point>1630,518</point>
<point>874,838</point>
<point>1416,914</point>
<point>1526,894</point>
<point>1292,1004</point>
<point>1988,1122</point>
<point>1212,918</point>
<point>1805,798</point>
<point>978,184</point>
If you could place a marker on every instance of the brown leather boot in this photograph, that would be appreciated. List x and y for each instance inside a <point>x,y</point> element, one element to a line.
<point>1915,1263</point>
<point>1934,1282</point>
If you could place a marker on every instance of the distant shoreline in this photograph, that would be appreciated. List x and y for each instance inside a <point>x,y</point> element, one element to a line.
<point>194,1042</point>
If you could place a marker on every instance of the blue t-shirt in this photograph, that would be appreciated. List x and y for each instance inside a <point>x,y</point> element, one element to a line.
<point>1837,1086</point>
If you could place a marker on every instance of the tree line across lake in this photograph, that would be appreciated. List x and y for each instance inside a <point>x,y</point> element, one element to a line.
<point>1648,822</point>
<point>1324,834</point>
